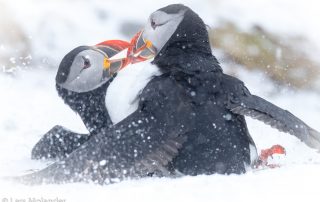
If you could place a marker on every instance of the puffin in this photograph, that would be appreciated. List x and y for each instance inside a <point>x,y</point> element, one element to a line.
<point>82,84</point>
<point>190,120</point>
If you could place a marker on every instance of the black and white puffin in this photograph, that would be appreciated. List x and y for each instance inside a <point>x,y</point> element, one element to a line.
<point>189,120</point>
<point>82,84</point>
<point>84,87</point>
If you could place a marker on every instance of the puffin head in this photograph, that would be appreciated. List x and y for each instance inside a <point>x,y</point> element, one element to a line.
<point>86,68</point>
<point>174,30</point>
<point>81,70</point>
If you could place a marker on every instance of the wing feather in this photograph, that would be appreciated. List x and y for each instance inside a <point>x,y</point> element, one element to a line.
<point>262,110</point>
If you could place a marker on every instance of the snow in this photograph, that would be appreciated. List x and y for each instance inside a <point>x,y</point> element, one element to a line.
<point>275,185</point>
<point>30,106</point>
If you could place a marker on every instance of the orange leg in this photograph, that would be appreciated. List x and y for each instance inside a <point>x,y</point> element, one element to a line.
<point>266,153</point>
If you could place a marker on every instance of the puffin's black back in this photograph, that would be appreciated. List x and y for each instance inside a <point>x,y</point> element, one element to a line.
<point>220,140</point>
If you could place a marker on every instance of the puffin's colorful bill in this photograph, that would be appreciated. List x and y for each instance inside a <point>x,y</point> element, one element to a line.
<point>138,50</point>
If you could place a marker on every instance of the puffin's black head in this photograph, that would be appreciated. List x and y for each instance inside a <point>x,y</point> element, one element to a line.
<point>81,70</point>
<point>175,30</point>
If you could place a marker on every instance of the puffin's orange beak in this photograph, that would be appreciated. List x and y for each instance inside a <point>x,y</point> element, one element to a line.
<point>111,50</point>
<point>119,54</point>
<point>141,49</point>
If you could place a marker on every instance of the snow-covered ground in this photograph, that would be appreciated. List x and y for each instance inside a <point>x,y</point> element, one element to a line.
<point>30,106</point>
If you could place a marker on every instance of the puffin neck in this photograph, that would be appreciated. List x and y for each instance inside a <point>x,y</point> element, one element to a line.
<point>89,105</point>
<point>188,49</point>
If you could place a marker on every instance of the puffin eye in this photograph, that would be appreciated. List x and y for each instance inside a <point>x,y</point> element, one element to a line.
<point>86,62</point>
<point>159,22</point>
<point>153,24</point>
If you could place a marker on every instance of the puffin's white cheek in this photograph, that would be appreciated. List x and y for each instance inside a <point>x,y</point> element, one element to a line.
<point>88,80</point>
<point>157,36</point>
<point>162,34</point>
<point>149,34</point>
<point>91,77</point>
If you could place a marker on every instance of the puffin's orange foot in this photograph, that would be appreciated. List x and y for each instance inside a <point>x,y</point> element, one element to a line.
<point>266,153</point>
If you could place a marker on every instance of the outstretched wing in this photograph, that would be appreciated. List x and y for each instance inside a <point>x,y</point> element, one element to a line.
<point>258,108</point>
<point>58,143</point>
<point>142,143</point>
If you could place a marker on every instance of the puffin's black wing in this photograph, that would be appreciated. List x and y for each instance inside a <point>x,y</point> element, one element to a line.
<point>142,143</point>
<point>244,103</point>
<point>57,143</point>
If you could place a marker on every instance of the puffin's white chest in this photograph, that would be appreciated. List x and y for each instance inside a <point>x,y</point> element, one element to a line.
<point>122,94</point>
